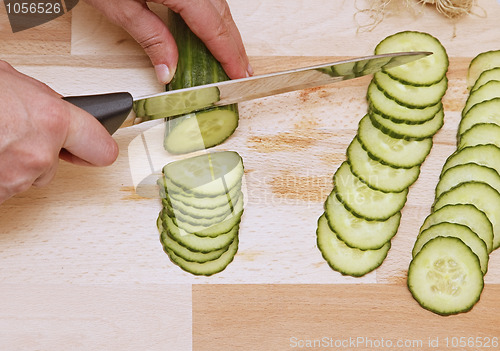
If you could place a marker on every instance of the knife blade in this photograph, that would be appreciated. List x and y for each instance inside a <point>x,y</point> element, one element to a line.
<point>117,110</point>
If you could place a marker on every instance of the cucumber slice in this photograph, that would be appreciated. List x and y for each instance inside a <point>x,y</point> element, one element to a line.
<point>200,130</point>
<point>208,175</point>
<point>206,268</point>
<point>482,133</point>
<point>426,71</point>
<point>486,76</point>
<point>484,112</point>
<point>357,232</point>
<point>487,91</point>
<point>408,131</point>
<point>175,206</point>
<point>482,62</point>
<point>481,195</point>
<point>363,201</point>
<point>465,173</point>
<point>183,252</point>
<point>465,214</point>
<point>409,95</point>
<point>445,276</point>
<point>391,151</point>
<point>485,155</point>
<point>198,243</point>
<point>209,227</point>
<point>344,259</point>
<point>462,232</point>
<point>390,109</point>
<point>377,175</point>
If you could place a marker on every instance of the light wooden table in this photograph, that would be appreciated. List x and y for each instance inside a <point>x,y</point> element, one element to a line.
<point>81,266</point>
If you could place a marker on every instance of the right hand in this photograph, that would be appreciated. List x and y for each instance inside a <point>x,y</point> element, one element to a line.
<point>37,128</point>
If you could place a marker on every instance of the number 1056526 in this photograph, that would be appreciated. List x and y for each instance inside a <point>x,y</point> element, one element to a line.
<point>34,8</point>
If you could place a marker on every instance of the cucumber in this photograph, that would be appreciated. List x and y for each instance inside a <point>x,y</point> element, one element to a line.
<point>481,195</point>
<point>485,155</point>
<point>344,259</point>
<point>377,175</point>
<point>424,72</point>
<point>208,175</point>
<point>445,276</point>
<point>408,131</point>
<point>487,91</point>
<point>390,109</point>
<point>484,112</point>
<point>196,66</point>
<point>357,232</point>
<point>391,151</point>
<point>197,243</point>
<point>482,62</point>
<point>363,201</point>
<point>465,214</point>
<point>486,76</point>
<point>479,134</point>
<point>465,173</point>
<point>176,206</point>
<point>205,268</point>
<point>462,232</point>
<point>409,95</point>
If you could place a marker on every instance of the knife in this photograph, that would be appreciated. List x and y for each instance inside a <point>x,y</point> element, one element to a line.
<point>117,110</point>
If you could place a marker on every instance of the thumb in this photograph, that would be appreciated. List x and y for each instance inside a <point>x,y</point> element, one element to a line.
<point>152,34</point>
<point>87,141</point>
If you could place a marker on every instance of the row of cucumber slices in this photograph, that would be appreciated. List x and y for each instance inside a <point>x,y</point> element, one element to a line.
<point>451,252</point>
<point>363,211</point>
<point>202,207</point>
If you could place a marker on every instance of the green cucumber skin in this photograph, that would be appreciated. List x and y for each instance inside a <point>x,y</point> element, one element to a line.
<point>196,66</point>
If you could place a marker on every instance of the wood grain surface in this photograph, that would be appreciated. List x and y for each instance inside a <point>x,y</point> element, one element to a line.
<point>81,266</point>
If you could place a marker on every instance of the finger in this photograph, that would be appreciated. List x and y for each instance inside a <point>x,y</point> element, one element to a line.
<point>204,19</point>
<point>225,12</point>
<point>87,140</point>
<point>149,31</point>
<point>46,177</point>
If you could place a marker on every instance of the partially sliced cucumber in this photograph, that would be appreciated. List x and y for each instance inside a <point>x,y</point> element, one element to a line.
<point>462,232</point>
<point>377,175</point>
<point>484,112</point>
<point>482,62</point>
<point>408,95</point>
<point>445,277</point>
<point>486,76</point>
<point>486,155</point>
<point>465,214</point>
<point>344,259</point>
<point>425,71</point>
<point>389,108</point>
<point>481,195</point>
<point>487,91</point>
<point>362,200</point>
<point>408,131</point>
<point>357,232</point>
<point>201,130</point>
<point>176,206</point>
<point>465,173</point>
<point>392,151</point>
<point>482,133</point>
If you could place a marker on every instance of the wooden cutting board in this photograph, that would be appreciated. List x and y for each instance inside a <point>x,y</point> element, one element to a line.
<point>81,266</point>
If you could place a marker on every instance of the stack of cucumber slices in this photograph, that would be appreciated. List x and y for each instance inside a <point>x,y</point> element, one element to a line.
<point>450,255</point>
<point>202,208</point>
<point>363,211</point>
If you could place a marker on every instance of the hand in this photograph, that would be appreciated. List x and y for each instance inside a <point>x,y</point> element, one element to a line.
<point>210,20</point>
<point>37,128</point>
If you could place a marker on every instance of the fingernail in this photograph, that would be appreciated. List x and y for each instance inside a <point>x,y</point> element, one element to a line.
<point>249,70</point>
<point>163,74</point>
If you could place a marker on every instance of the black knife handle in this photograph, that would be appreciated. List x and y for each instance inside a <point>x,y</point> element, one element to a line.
<point>110,109</point>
